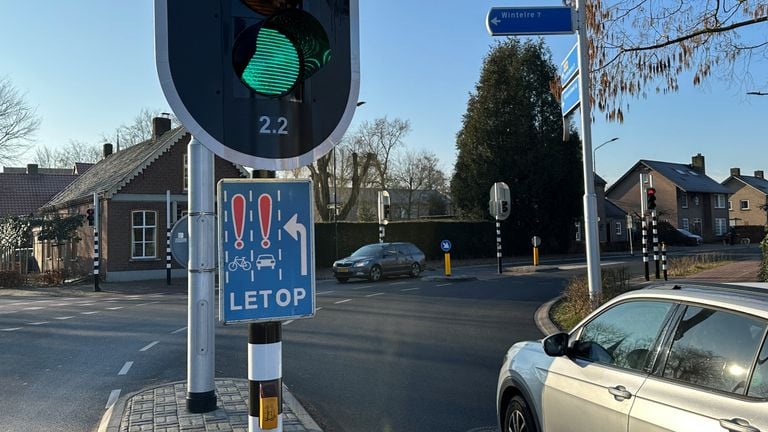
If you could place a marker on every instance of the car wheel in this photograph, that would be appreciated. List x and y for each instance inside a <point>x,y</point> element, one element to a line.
<point>415,270</point>
<point>518,417</point>
<point>342,280</point>
<point>375,273</point>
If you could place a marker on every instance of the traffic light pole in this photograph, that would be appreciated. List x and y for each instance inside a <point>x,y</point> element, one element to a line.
<point>498,244</point>
<point>201,392</point>
<point>96,259</point>
<point>590,199</point>
<point>167,237</point>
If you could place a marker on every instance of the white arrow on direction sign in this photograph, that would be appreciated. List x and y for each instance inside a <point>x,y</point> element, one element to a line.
<point>495,21</point>
<point>294,228</point>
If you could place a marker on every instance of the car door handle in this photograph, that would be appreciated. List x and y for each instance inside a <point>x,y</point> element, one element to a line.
<point>738,425</point>
<point>620,392</point>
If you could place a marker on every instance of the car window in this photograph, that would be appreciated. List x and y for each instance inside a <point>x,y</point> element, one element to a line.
<point>623,335</point>
<point>368,250</point>
<point>758,386</point>
<point>714,349</point>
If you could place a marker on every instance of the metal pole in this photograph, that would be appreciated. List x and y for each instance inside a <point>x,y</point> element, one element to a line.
<point>631,249</point>
<point>201,391</point>
<point>498,243</point>
<point>168,237</point>
<point>590,199</point>
<point>335,210</point>
<point>96,258</point>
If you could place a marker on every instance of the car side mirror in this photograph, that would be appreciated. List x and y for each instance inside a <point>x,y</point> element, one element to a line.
<point>556,345</point>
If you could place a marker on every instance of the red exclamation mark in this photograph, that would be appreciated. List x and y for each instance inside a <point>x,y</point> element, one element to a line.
<point>238,219</point>
<point>265,218</point>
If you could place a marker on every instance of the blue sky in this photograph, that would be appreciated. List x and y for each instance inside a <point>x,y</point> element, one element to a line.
<point>88,66</point>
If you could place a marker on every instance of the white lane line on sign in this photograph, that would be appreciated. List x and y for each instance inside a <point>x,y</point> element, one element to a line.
<point>64,317</point>
<point>126,368</point>
<point>178,330</point>
<point>410,289</point>
<point>343,301</point>
<point>112,398</point>
<point>374,294</point>
<point>150,345</point>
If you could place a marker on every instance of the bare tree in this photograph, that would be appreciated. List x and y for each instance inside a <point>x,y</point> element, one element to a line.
<point>354,171</point>
<point>637,46</point>
<point>417,172</point>
<point>381,138</point>
<point>18,122</point>
<point>140,130</point>
<point>66,157</point>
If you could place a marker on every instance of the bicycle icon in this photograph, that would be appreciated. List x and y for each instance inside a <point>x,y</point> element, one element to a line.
<point>239,262</point>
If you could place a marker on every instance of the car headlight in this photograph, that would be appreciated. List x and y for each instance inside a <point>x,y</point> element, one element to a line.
<point>362,263</point>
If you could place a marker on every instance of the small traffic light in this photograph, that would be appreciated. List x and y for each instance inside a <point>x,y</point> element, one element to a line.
<point>651,194</point>
<point>505,207</point>
<point>387,212</point>
<point>89,216</point>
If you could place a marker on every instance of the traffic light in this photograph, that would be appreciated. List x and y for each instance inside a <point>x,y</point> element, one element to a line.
<point>651,194</point>
<point>505,207</point>
<point>387,212</point>
<point>89,216</point>
<point>270,84</point>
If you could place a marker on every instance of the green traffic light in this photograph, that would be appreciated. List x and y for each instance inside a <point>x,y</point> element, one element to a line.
<point>275,65</point>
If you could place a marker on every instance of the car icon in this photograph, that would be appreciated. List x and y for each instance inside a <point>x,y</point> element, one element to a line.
<point>265,261</point>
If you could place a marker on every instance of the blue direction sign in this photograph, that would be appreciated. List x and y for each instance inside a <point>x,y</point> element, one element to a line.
<point>570,99</point>
<point>511,21</point>
<point>266,244</point>
<point>445,245</point>
<point>569,68</point>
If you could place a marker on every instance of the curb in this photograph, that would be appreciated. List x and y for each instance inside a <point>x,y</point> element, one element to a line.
<point>449,278</point>
<point>541,318</point>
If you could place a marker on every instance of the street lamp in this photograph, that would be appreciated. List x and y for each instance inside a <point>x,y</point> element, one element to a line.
<point>594,151</point>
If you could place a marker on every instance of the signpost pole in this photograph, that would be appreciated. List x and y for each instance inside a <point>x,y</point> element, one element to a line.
<point>96,242</point>
<point>590,199</point>
<point>201,393</point>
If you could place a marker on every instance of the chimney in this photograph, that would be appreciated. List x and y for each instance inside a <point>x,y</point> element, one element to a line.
<point>697,164</point>
<point>107,150</point>
<point>735,172</point>
<point>32,169</point>
<point>759,174</point>
<point>160,125</point>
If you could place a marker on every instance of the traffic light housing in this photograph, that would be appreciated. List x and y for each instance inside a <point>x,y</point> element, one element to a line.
<point>270,84</point>
<point>505,207</point>
<point>387,212</point>
<point>89,216</point>
<point>651,194</point>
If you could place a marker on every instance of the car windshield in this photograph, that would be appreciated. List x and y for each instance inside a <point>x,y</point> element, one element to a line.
<point>368,250</point>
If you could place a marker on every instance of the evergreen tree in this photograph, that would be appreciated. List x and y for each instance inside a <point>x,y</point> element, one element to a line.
<point>512,132</point>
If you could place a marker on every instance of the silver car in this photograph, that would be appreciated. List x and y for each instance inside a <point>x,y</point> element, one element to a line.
<point>378,260</point>
<point>671,358</point>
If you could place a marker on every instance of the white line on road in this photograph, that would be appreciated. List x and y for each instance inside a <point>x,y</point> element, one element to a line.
<point>343,301</point>
<point>60,304</point>
<point>89,313</point>
<point>179,330</point>
<point>112,398</point>
<point>17,304</point>
<point>150,345</point>
<point>445,284</point>
<point>115,308</point>
<point>126,368</point>
<point>374,294</point>
<point>287,322</point>
<point>410,289</point>
<point>144,304</point>
<point>398,283</point>
<point>34,308</point>
<point>325,292</point>
<point>363,287</point>
<point>64,317</point>
<point>38,323</point>
<point>10,329</point>
<point>319,308</point>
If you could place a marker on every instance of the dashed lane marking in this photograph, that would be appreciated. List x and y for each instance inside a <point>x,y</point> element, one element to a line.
<point>112,398</point>
<point>64,317</point>
<point>34,308</point>
<point>343,301</point>
<point>149,345</point>
<point>398,283</point>
<point>445,284</point>
<point>38,323</point>
<point>126,368</point>
<point>375,294</point>
<point>10,329</point>
<point>363,287</point>
<point>178,330</point>
<point>319,308</point>
<point>325,292</point>
<point>89,313</point>
<point>410,289</point>
<point>287,322</point>
<point>115,308</point>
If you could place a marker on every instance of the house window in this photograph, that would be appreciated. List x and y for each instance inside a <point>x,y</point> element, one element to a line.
<point>721,226</point>
<point>684,200</point>
<point>696,200</point>
<point>186,172</point>
<point>730,205</point>
<point>686,224</point>
<point>143,233</point>
<point>744,204</point>
<point>696,226</point>
<point>618,228</point>
<point>719,201</point>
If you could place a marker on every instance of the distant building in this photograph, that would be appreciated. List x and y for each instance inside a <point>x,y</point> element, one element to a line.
<point>24,190</point>
<point>749,196</point>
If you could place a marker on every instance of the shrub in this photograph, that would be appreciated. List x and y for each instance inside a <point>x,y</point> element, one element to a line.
<point>688,265</point>
<point>576,303</point>
<point>11,279</point>
<point>763,274</point>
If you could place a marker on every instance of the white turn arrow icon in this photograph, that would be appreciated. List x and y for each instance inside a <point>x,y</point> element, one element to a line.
<point>495,21</point>
<point>294,228</point>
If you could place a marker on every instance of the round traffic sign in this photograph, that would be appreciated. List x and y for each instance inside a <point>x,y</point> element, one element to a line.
<point>445,245</point>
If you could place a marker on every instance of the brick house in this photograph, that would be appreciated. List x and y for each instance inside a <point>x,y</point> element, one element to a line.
<point>686,197</point>
<point>24,190</point>
<point>748,194</point>
<point>132,186</point>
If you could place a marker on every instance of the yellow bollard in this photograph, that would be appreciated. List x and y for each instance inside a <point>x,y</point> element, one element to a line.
<point>535,256</point>
<point>447,264</point>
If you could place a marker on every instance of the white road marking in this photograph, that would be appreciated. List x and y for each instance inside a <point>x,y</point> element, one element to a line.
<point>34,308</point>
<point>410,289</point>
<point>10,329</point>
<point>398,283</point>
<point>343,301</point>
<point>89,313</point>
<point>363,287</point>
<point>86,304</point>
<point>17,303</point>
<point>115,308</point>
<point>38,323</point>
<point>319,308</point>
<point>288,322</point>
<point>60,304</point>
<point>150,345</point>
<point>374,295</point>
<point>64,317</point>
<point>144,304</point>
<point>112,398</point>
<point>179,330</point>
<point>126,368</point>
<point>325,292</point>
<point>445,284</point>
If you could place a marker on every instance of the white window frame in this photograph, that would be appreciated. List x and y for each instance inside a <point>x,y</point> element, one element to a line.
<point>742,206</point>
<point>146,241</point>
<point>720,201</point>
<point>686,224</point>
<point>618,228</point>
<point>721,226</point>
<point>684,203</point>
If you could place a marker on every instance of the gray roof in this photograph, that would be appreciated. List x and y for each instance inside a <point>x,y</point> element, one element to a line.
<point>684,177</point>
<point>756,182</point>
<point>116,170</point>
<point>22,194</point>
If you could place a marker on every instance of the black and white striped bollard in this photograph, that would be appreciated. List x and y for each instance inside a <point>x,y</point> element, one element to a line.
<point>654,221</point>
<point>664,259</point>
<point>645,248</point>
<point>265,377</point>
<point>498,243</point>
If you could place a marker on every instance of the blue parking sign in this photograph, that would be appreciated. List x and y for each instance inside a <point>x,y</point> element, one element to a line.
<point>266,244</point>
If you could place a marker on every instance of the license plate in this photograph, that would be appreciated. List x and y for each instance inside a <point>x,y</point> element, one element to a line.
<point>342,269</point>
